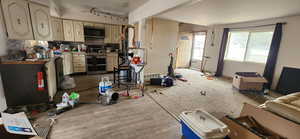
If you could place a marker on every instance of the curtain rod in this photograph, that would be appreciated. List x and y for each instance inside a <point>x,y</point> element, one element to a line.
<point>257,26</point>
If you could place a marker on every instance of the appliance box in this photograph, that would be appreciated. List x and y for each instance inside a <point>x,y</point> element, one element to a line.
<point>248,81</point>
<point>270,121</point>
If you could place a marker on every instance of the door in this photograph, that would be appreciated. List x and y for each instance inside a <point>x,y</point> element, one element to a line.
<point>17,19</point>
<point>68,30</point>
<point>184,50</point>
<point>78,31</point>
<point>198,50</point>
<point>41,22</point>
<point>57,29</point>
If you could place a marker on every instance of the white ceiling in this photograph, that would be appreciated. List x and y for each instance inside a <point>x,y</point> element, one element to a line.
<point>121,7</point>
<point>209,12</point>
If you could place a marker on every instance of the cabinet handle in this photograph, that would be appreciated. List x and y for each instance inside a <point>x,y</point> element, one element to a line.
<point>19,21</point>
<point>42,25</point>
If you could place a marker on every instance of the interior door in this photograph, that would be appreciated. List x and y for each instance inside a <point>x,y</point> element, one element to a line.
<point>17,19</point>
<point>184,50</point>
<point>197,60</point>
<point>68,30</point>
<point>41,22</point>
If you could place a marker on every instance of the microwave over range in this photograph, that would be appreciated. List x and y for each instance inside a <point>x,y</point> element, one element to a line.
<point>91,33</point>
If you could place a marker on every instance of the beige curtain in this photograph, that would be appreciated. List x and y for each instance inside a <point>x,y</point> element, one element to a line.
<point>184,50</point>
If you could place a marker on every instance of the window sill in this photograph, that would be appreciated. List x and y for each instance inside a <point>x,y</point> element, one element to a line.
<point>244,62</point>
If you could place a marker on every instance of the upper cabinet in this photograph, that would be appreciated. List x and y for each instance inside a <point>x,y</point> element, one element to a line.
<point>57,29</point>
<point>112,34</point>
<point>17,19</point>
<point>107,38</point>
<point>68,30</point>
<point>41,23</point>
<point>78,31</point>
<point>73,31</point>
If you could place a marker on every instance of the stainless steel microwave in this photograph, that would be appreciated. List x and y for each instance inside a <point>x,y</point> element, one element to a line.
<point>91,33</point>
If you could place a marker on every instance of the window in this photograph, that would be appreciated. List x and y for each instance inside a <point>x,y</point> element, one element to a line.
<point>198,48</point>
<point>249,46</point>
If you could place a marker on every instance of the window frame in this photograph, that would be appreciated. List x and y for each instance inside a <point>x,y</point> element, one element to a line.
<point>247,44</point>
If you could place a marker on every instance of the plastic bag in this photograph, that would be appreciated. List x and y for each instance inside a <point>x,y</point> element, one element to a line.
<point>68,83</point>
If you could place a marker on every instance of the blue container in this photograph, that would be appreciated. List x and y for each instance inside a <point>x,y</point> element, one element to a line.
<point>199,124</point>
<point>187,132</point>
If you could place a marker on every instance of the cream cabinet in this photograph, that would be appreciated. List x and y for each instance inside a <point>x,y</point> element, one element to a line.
<point>57,29</point>
<point>116,34</point>
<point>68,30</point>
<point>107,38</point>
<point>73,31</point>
<point>78,31</point>
<point>41,22</point>
<point>112,34</point>
<point>88,24</point>
<point>67,63</point>
<point>99,26</point>
<point>79,62</point>
<point>111,61</point>
<point>17,19</point>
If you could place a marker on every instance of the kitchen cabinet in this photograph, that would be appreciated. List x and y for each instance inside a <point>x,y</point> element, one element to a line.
<point>78,31</point>
<point>107,38</point>
<point>79,62</point>
<point>112,34</point>
<point>116,37</point>
<point>111,61</point>
<point>57,29</point>
<point>17,19</point>
<point>41,23</point>
<point>67,63</point>
<point>68,30</point>
<point>99,26</point>
<point>88,24</point>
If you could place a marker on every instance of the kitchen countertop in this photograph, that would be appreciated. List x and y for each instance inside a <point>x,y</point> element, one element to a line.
<point>44,61</point>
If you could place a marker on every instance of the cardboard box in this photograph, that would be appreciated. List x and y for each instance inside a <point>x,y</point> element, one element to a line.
<point>270,121</point>
<point>248,81</point>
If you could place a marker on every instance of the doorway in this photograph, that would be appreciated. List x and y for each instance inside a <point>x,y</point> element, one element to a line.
<point>198,51</point>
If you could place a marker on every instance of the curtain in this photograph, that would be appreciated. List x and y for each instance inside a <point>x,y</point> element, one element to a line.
<point>272,57</point>
<point>220,66</point>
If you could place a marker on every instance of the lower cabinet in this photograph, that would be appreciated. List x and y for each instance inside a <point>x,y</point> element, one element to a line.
<point>79,62</point>
<point>67,63</point>
<point>111,61</point>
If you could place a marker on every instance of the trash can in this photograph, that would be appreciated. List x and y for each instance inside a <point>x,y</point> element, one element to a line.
<point>199,124</point>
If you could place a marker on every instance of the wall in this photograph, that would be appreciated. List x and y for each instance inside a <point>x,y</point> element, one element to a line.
<point>3,51</point>
<point>85,15</point>
<point>288,53</point>
<point>164,41</point>
<point>183,27</point>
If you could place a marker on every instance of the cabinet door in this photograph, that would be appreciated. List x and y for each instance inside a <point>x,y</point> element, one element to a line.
<point>17,19</point>
<point>68,30</point>
<point>78,31</point>
<point>99,26</point>
<point>109,63</point>
<point>68,63</point>
<point>41,23</point>
<point>107,38</point>
<point>57,29</point>
<point>87,24</point>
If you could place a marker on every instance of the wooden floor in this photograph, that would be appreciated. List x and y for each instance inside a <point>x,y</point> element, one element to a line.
<point>128,119</point>
<point>144,118</point>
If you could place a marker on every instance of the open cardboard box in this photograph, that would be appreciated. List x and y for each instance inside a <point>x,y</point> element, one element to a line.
<point>274,123</point>
<point>248,81</point>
